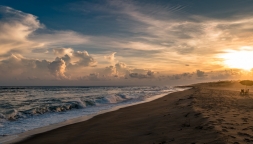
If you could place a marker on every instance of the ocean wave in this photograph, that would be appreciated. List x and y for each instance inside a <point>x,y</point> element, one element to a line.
<point>12,114</point>
<point>2,116</point>
<point>35,107</point>
<point>57,105</point>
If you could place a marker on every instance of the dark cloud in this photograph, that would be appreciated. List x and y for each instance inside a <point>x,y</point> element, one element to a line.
<point>94,76</point>
<point>137,75</point>
<point>200,73</point>
<point>181,76</point>
<point>149,74</point>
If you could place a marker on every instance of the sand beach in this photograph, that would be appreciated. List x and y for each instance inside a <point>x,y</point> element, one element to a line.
<point>210,113</point>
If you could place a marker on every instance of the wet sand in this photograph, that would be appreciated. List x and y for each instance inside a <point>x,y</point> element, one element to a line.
<point>207,113</point>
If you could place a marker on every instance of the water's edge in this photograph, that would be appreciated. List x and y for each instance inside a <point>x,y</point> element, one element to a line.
<point>26,134</point>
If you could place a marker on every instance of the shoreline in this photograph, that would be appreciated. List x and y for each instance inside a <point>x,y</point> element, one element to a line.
<point>20,137</point>
<point>169,119</point>
<point>213,113</point>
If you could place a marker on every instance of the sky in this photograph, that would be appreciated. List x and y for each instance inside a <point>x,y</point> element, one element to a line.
<point>125,42</point>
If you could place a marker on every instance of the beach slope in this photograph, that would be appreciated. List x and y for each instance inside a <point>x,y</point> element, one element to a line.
<point>179,118</point>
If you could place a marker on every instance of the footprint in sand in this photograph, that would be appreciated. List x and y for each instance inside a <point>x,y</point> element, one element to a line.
<point>247,140</point>
<point>245,119</point>
<point>232,136</point>
<point>197,114</point>
<point>244,134</point>
<point>248,128</point>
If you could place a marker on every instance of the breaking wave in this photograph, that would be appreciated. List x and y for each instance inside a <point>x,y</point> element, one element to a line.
<point>25,108</point>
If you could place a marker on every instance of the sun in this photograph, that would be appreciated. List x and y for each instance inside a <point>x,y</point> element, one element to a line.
<point>241,59</point>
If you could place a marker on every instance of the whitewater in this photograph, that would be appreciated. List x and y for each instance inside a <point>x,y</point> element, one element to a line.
<point>27,108</point>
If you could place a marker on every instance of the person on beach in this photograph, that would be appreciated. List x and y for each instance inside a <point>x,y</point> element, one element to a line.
<point>242,92</point>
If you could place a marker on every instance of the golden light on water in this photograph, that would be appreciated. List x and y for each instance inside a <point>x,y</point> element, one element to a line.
<point>242,58</point>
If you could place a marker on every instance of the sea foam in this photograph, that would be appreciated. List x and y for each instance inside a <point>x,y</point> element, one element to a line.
<point>27,108</point>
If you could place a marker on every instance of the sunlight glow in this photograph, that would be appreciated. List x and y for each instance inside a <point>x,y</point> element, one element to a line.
<point>242,59</point>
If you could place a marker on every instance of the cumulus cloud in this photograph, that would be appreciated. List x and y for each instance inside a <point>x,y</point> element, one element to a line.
<point>165,38</point>
<point>19,34</point>
<point>17,66</point>
<point>122,69</point>
<point>84,59</point>
<point>63,67</point>
<point>175,77</point>
<point>94,76</point>
<point>15,27</point>
<point>75,58</point>
<point>66,58</point>
<point>200,73</point>
<point>120,65</point>
<point>58,68</point>
<point>149,74</point>
<point>185,75</point>
<point>137,75</point>
<point>109,71</point>
<point>119,70</point>
<point>63,51</point>
<point>110,57</point>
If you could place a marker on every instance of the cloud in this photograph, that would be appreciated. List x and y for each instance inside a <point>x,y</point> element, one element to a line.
<point>40,50</point>
<point>150,37</point>
<point>19,34</point>
<point>154,27</point>
<point>184,76</point>
<point>54,38</point>
<point>94,76</point>
<point>228,74</point>
<point>84,59</point>
<point>16,27</point>
<point>175,77</point>
<point>200,73</point>
<point>58,68</point>
<point>120,65</point>
<point>184,49</point>
<point>109,71</point>
<point>63,51</point>
<point>110,57</point>
<point>75,58</point>
<point>17,66</point>
<point>149,74</point>
<point>137,75</point>
<point>122,69</point>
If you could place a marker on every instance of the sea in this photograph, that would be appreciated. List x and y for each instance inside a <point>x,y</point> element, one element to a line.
<point>27,108</point>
